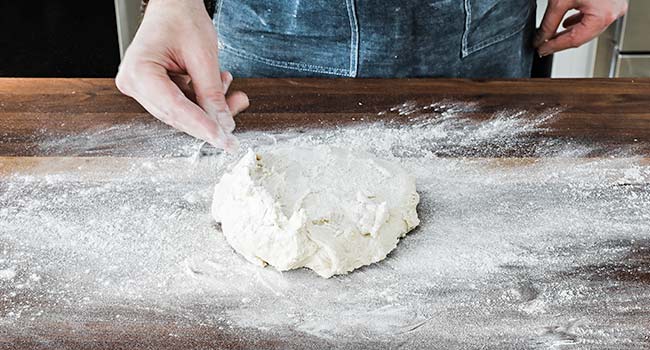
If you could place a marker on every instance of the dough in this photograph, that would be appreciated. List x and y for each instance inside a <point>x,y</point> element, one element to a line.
<point>324,208</point>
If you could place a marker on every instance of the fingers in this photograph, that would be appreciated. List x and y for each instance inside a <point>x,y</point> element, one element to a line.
<point>237,101</point>
<point>552,18</point>
<point>226,78</point>
<point>159,95</point>
<point>184,84</point>
<point>572,20</point>
<point>589,27</point>
<point>594,17</point>
<point>209,88</point>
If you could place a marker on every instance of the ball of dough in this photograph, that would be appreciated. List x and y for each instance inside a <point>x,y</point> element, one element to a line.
<point>324,208</point>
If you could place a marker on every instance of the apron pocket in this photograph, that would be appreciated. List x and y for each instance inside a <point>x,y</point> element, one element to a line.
<point>488,22</point>
<point>319,36</point>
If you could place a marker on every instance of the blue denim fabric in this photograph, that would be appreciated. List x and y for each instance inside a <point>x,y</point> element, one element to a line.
<point>376,38</point>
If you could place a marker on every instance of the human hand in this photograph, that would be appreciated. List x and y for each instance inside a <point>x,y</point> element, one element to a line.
<point>594,17</point>
<point>171,68</point>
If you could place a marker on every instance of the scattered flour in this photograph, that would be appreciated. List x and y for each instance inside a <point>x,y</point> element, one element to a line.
<point>530,252</point>
<point>7,274</point>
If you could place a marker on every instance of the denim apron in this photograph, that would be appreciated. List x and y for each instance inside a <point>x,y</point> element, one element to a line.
<point>376,38</point>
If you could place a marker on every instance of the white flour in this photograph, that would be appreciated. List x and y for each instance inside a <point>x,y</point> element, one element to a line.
<point>528,252</point>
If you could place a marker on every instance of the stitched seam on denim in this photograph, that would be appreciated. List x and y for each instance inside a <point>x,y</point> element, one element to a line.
<point>468,50</point>
<point>285,64</point>
<point>354,37</point>
<point>468,21</point>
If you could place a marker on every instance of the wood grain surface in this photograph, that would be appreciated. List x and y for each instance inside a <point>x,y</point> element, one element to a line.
<point>615,114</point>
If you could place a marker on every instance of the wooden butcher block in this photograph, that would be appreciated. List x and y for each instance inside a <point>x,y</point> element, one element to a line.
<point>535,219</point>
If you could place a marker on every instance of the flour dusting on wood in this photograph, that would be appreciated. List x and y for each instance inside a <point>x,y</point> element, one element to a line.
<point>544,250</point>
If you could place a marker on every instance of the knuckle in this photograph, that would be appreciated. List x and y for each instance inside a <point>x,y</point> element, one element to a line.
<point>167,116</point>
<point>547,28</point>
<point>215,96</point>
<point>574,40</point>
<point>612,18</point>
<point>609,17</point>
<point>204,57</point>
<point>177,102</point>
<point>122,81</point>
<point>126,76</point>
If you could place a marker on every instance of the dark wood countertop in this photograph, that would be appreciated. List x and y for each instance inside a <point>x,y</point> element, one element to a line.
<point>609,111</point>
<point>615,114</point>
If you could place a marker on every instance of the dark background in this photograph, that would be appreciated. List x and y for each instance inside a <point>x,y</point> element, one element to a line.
<point>58,38</point>
<point>76,38</point>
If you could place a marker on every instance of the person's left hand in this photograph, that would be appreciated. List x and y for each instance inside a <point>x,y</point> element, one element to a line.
<point>594,17</point>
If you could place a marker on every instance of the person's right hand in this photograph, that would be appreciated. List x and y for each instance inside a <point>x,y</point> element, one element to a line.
<point>593,17</point>
<point>171,68</point>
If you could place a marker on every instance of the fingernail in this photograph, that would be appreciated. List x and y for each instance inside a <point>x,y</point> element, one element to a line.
<point>217,143</point>
<point>226,121</point>
<point>225,140</point>
<point>226,83</point>
<point>223,117</point>
<point>544,53</point>
<point>231,144</point>
<point>219,139</point>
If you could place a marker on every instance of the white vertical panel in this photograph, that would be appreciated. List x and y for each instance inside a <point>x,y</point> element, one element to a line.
<point>127,14</point>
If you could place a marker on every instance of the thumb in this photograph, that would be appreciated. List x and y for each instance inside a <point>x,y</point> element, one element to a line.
<point>211,91</point>
<point>551,22</point>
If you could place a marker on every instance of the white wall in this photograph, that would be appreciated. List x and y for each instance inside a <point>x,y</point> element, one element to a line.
<point>573,63</point>
<point>127,14</point>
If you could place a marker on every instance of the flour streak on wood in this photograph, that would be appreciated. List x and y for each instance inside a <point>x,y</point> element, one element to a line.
<point>534,234</point>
